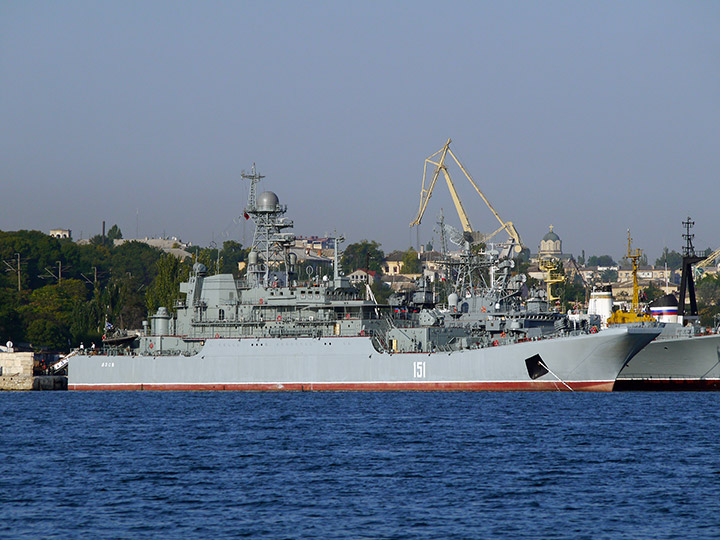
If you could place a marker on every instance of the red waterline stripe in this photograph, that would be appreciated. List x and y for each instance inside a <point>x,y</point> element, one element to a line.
<point>596,386</point>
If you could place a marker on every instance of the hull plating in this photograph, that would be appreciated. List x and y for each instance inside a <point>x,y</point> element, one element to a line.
<point>587,362</point>
<point>690,363</point>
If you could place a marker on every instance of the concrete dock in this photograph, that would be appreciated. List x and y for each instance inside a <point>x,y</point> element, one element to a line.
<point>16,373</point>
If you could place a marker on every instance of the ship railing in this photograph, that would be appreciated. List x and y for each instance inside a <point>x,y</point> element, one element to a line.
<point>118,351</point>
<point>279,331</point>
<point>171,352</point>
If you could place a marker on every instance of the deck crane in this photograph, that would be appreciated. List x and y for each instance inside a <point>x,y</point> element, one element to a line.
<point>427,190</point>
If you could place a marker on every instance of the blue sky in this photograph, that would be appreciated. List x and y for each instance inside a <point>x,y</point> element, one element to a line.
<point>592,117</point>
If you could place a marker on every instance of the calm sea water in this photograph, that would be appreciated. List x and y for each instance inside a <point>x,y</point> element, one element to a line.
<point>359,465</point>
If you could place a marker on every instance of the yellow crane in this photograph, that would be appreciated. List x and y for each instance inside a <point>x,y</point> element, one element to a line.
<point>634,315</point>
<point>708,261</point>
<point>551,267</point>
<point>427,190</point>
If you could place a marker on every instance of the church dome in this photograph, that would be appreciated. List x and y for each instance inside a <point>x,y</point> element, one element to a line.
<point>551,236</point>
<point>551,244</point>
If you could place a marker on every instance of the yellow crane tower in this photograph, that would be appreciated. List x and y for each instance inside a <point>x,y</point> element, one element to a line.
<point>634,315</point>
<point>427,190</point>
<point>551,267</point>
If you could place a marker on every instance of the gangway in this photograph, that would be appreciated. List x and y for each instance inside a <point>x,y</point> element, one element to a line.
<point>57,366</point>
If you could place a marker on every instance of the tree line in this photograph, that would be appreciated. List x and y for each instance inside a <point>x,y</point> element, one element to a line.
<point>56,294</point>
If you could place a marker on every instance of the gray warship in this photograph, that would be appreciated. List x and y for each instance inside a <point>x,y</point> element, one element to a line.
<point>272,331</point>
<point>681,358</point>
<point>686,355</point>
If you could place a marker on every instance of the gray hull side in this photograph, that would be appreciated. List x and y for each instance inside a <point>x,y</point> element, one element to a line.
<point>677,359</point>
<point>337,363</point>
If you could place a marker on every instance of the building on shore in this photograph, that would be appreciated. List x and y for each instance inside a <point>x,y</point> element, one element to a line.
<point>61,233</point>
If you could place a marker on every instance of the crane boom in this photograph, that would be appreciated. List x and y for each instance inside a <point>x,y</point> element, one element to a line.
<point>710,259</point>
<point>426,193</point>
<point>456,201</point>
<point>700,267</point>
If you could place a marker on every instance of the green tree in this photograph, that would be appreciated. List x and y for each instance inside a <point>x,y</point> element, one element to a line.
<point>165,289</point>
<point>363,254</point>
<point>49,315</point>
<point>411,262</point>
<point>672,258</point>
<point>651,292</point>
<point>11,325</point>
<point>572,292</point>
<point>707,291</point>
<point>135,259</point>
<point>231,254</point>
<point>99,282</point>
<point>602,260</point>
<point>708,296</point>
<point>609,276</point>
<point>114,233</point>
<point>381,291</point>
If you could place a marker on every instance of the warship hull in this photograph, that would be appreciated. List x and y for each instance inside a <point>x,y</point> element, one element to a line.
<point>584,362</point>
<point>682,363</point>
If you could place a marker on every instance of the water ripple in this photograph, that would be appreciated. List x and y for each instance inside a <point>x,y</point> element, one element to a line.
<point>358,465</point>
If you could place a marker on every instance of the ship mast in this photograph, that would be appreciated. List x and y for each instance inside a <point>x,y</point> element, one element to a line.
<point>254,178</point>
<point>687,284</point>
<point>270,245</point>
<point>634,256</point>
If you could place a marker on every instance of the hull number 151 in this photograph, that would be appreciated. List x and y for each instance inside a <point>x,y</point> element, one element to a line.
<point>419,370</point>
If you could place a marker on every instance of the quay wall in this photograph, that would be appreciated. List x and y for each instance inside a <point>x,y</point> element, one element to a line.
<point>16,370</point>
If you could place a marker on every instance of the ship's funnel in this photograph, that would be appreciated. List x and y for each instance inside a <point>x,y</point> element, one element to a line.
<point>665,309</point>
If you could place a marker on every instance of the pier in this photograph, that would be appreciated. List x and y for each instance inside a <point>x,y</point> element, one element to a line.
<point>17,373</point>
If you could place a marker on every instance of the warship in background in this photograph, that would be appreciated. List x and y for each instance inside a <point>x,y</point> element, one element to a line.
<point>685,356</point>
<point>273,331</point>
